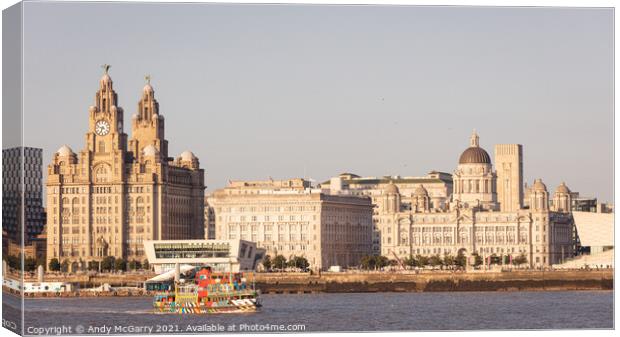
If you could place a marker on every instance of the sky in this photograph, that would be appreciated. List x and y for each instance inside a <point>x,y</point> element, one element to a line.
<point>282,91</point>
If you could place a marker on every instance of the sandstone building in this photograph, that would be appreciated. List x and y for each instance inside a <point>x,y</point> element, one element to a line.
<point>509,165</point>
<point>473,219</point>
<point>119,191</point>
<point>290,218</point>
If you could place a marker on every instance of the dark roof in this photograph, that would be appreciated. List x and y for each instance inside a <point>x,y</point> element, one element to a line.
<point>349,174</point>
<point>475,155</point>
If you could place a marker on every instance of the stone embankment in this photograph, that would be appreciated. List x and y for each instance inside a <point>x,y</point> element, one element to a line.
<point>426,281</point>
<point>435,281</point>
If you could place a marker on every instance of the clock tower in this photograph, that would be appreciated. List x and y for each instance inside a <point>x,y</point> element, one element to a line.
<point>114,195</point>
<point>106,142</point>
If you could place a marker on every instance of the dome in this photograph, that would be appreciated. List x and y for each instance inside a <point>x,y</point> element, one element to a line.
<point>391,189</point>
<point>420,191</point>
<point>562,189</point>
<point>539,185</point>
<point>65,151</point>
<point>150,150</point>
<point>187,156</point>
<point>475,155</point>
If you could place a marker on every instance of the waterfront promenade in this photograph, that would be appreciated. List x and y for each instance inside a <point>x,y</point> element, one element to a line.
<point>350,282</point>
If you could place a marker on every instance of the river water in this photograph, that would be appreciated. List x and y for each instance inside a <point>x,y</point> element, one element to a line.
<point>330,312</point>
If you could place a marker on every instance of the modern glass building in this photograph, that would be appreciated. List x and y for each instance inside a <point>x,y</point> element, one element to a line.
<point>221,255</point>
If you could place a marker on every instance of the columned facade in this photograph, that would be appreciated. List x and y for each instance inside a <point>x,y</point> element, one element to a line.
<point>475,223</point>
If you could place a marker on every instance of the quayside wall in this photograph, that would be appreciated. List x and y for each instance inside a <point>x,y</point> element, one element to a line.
<point>425,281</point>
<point>435,281</point>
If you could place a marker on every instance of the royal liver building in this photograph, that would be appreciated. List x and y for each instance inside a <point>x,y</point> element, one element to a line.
<point>117,192</point>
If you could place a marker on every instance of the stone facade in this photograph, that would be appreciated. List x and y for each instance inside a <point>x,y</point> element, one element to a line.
<point>438,185</point>
<point>290,218</point>
<point>473,222</point>
<point>209,220</point>
<point>475,183</point>
<point>118,192</point>
<point>509,164</point>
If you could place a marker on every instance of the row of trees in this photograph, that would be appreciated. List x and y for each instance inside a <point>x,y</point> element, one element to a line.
<point>279,262</point>
<point>30,263</point>
<point>109,263</point>
<point>371,262</point>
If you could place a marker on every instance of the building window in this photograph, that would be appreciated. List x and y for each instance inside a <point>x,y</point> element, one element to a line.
<point>101,174</point>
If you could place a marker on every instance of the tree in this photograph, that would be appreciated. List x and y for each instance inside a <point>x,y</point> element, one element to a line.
<point>435,260</point>
<point>120,265</point>
<point>495,259</point>
<point>54,265</point>
<point>367,262</point>
<point>146,265</point>
<point>477,259</point>
<point>279,262</point>
<point>521,259</point>
<point>381,261</point>
<point>410,261</point>
<point>133,265</point>
<point>422,260</point>
<point>93,265</point>
<point>107,263</point>
<point>30,264</point>
<point>449,260</point>
<point>13,261</point>
<point>301,262</point>
<point>460,260</point>
<point>291,262</point>
<point>267,262</point>
<point>505,259</point>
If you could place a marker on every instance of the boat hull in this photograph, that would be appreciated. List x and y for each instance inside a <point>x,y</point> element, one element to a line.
<point>230,306</point>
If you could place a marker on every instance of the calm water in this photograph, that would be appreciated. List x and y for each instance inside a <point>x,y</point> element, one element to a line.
<point>341,312</point>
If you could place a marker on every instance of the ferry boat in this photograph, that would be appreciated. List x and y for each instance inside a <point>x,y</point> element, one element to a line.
<point>208,293</point>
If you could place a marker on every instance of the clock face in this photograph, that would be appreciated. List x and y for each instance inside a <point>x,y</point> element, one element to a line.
<point>102,128</point>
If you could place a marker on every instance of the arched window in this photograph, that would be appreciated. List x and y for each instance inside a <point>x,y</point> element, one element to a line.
<point>65,210</point>
<point>139,210</point>
<point>463,236</point>
<point>75,211</point>
<point>101,174</point>
<point>61,167</point>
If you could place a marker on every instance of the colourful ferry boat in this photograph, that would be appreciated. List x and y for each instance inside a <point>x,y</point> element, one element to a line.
<point>208,293</point>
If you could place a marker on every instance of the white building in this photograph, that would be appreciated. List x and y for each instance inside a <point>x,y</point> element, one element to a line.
<point>221,255</point>
<point>289,218</point>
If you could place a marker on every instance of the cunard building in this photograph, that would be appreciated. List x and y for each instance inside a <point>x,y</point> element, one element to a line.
<point>118,192</point>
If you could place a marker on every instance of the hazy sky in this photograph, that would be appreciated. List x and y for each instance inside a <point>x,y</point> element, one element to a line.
<point>286,91</point>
